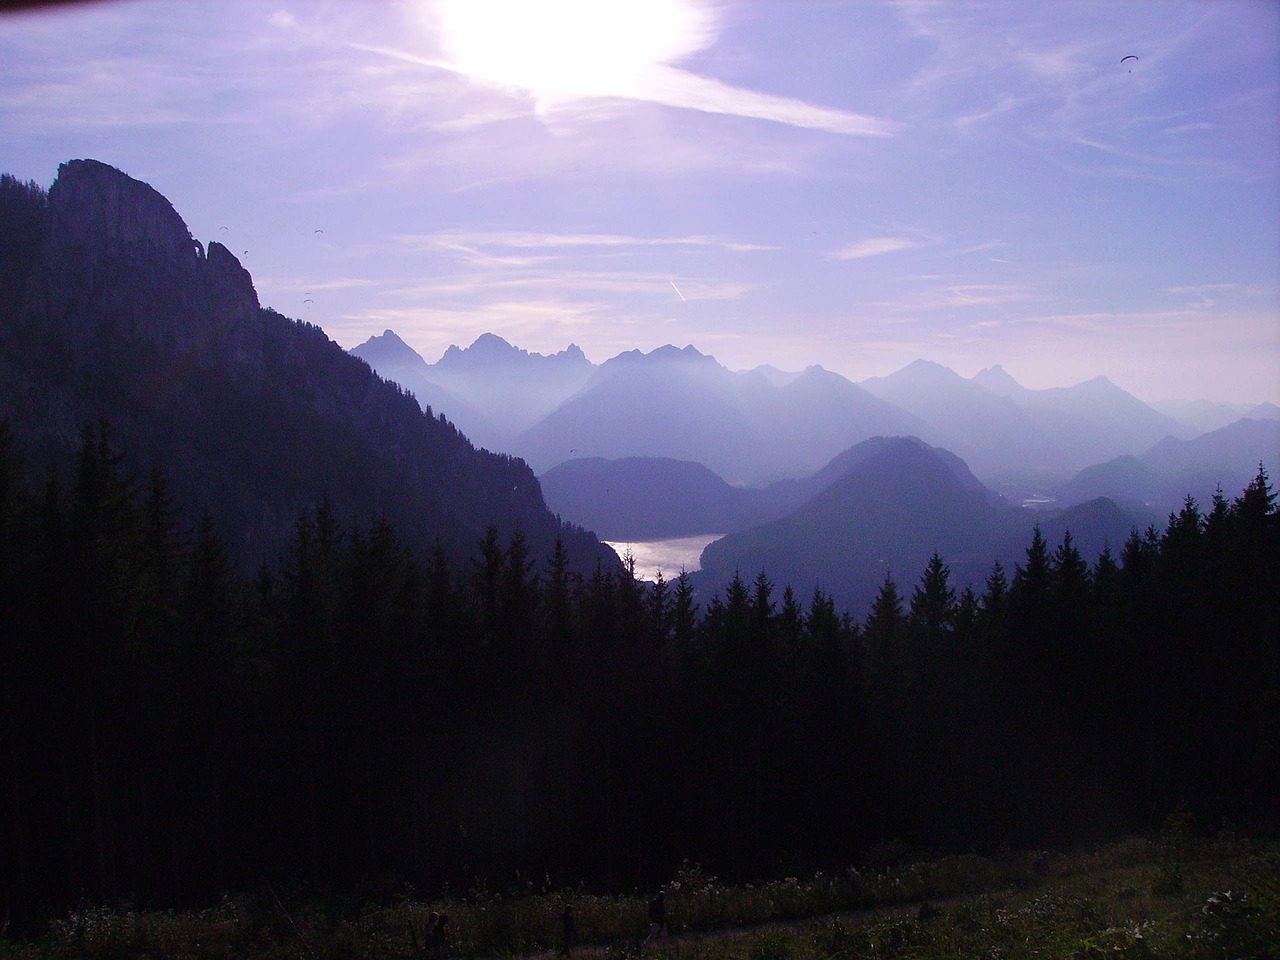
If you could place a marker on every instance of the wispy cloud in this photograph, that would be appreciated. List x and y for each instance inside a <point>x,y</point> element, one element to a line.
<point>952,295</point>
<point>1051,82</point>
<point>562,53</point>
<point>531,240</point>
<point>1004,105</point>
<point>678,88</point>
<point>653,285</point>
<point>337,283</point>
<point>874,247</point>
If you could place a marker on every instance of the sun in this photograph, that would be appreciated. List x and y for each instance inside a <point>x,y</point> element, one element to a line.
<point>566,49</point>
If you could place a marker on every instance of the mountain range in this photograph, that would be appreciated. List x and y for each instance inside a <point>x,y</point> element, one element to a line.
<point>1161,477</point>
<point>111,311</point>
<point>753,427</point>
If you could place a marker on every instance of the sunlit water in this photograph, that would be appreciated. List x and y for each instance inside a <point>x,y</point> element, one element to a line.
<point>668,556</point>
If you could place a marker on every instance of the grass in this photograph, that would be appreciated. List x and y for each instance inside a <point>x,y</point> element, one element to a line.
<point>1172,897</point>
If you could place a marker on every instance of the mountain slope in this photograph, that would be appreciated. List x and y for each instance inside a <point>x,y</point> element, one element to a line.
<point>899,502</point>
<point>1001,427</point>
<point>123,316</point>
<point>1162,476</point>
<point>892,503</point>
<point>669,403</point>
<point>393,359</point>
<point>647,498</point>
<point>511,387</point>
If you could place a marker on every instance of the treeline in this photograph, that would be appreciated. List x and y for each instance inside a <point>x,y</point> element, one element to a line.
<point>174,727</point>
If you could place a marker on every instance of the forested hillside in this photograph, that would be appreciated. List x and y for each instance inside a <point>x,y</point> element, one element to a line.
<point>357,710</point>
<point>110,309</point>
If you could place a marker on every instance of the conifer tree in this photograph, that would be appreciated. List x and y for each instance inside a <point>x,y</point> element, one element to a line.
<point>933,610</point>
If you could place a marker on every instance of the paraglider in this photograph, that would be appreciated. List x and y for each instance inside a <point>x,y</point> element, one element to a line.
<point>308,301</point>
<point>1129,57</point>
<point>317,231</point>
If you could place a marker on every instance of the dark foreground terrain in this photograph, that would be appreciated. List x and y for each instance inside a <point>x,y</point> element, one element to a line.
<point>1170,896</point>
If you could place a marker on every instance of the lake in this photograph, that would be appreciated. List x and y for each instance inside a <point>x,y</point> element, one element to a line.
<point>668,556</point>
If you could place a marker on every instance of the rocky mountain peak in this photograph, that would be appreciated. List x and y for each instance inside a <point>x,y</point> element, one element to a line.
<point>998,380</point>
<point>97,205</point>
<point>122,266</point>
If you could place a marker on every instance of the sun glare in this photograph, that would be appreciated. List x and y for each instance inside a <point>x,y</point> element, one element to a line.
<point>566,48</point>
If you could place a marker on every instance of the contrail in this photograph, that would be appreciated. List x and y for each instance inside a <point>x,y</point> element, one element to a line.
<point>677,290</point>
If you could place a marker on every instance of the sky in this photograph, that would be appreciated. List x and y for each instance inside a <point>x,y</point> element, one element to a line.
<point>789,182</point>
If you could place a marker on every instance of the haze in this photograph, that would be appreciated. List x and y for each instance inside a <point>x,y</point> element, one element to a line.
<point>852,184</point>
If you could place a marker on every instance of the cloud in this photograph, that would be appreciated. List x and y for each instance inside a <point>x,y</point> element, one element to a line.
<point>678,88</point>
<point>338,283</point>
<point>1004,106</point>
<point>628,285</point>
<point>531,240</point>
<point>563,52</point>
<point>951,295</point>
<point>874,247</point>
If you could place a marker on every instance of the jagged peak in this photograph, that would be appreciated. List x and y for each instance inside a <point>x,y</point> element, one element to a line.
<point>998,380</point>
<point>387,348</point>
<point>491,348</point>
<point>667,353</point>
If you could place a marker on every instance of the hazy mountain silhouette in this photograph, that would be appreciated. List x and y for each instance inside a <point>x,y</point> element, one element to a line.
<point>900,501</point>
<point>682,404</point>
<point>1263,411</point>
<point>511,387</point>
<point>649,498</point>
<point>1204,415</point>
<point>779,378</point>
<point>987,429</point>
<point>393,359</point>
<point>897,501</point>
<point>1172,469</point>
<point>1093,525</point>
<point>1001,427</point>
<point>1097,419</point>
<point>657,498</point>
<point>119,314</point>
<point>758,426</point>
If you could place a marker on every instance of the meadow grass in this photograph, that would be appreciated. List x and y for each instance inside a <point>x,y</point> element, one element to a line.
<point>1170,896</point>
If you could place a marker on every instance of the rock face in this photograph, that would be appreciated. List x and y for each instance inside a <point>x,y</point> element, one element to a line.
<point>104,228</point>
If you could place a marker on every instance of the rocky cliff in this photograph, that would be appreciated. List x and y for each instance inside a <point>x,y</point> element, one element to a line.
<point>120,263</point>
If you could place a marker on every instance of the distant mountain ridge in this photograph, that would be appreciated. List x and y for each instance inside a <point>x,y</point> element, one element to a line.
<point>112,311</point>
<point>999,426</point>
<point>757,426</point>
<point>675,403</point>
<point>491,390</point>
<point>1162,476</point>
<point>895,502</point>
<point>657,498</point>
